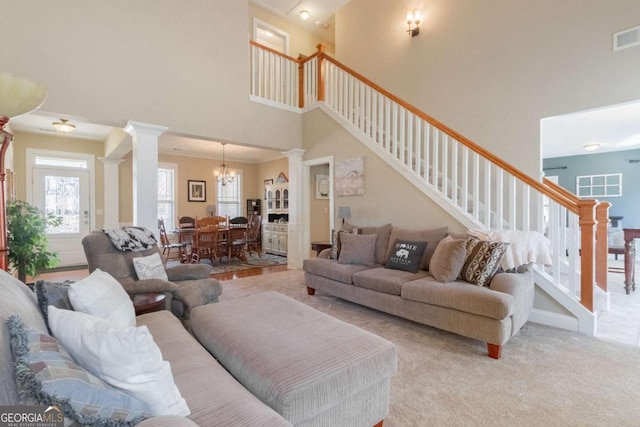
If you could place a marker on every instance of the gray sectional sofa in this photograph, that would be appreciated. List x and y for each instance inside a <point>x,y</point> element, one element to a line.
<point>491,314</point>
<point>214,397</point>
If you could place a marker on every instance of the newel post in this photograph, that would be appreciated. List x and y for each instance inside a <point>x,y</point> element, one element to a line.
<point>321,49</point>
<point>602,243</point>
<point>301,59</point>
<point>587,224</point>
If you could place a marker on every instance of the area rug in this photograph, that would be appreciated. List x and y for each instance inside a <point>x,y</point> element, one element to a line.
<point>546,376</point>
<point>253,261</point>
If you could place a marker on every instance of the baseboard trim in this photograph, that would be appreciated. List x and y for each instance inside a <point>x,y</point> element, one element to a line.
<point>556,320</point>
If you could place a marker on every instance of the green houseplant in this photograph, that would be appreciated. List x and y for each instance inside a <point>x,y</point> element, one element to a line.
<point>28,243</point>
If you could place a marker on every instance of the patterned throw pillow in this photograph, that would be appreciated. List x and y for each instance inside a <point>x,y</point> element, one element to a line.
<point>483,261</point>
<point>150,267</point>
<point>358,249</point>
<point>336,244</point>
<point>51,293</point>
<point>406,255</point>
<point>47,375</point>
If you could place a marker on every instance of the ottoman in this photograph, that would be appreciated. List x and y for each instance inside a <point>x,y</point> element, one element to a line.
<point>309,367</point>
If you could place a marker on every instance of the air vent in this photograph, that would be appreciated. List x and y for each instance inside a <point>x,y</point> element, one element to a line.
<point>626,38</point>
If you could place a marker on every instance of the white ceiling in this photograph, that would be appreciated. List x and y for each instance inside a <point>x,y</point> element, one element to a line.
<point>320,22</point>
<point>321,14</point>
<point>40,122</point>
<point>615,128</point>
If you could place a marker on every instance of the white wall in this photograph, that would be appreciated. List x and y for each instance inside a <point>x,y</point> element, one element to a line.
<point>492,69</point>
<point>183,65</point>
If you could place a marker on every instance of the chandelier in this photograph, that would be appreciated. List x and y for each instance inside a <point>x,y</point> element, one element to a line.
<point>223,174</point>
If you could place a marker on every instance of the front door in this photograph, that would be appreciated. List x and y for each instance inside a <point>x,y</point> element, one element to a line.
<point>64,192</point>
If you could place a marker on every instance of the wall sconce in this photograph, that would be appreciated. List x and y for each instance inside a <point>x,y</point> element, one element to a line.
<point>413,21</point>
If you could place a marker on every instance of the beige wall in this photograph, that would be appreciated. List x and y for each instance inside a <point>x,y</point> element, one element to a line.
<point>388,196</point>
<point>153,61</point>
<point>492,69</point>
<point>300,41</point>
<point>190,168</point>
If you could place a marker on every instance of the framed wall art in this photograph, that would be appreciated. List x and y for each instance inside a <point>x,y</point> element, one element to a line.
<point>197,191</point>
<point>323,186</point>
<point>349,177</point>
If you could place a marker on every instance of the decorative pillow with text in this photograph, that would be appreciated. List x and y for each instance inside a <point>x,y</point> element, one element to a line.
<point>406,255</point>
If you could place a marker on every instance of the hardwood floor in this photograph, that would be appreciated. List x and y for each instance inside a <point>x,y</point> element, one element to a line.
<point>58,276</point>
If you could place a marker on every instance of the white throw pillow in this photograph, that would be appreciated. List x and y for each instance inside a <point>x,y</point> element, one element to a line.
<point>125,357</point>
<point>103,296</point>
<point>150,267</point>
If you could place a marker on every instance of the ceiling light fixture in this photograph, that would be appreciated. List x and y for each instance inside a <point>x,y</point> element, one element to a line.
<point>64,126</point>
<point>591,147</point>
<point>304,15</point>
<point>223,174</point>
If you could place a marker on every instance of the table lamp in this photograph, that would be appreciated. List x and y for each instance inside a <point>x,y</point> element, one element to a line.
<point>344,212</point>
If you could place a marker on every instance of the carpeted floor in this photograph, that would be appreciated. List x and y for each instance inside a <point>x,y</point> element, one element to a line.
<point>546,376</point>
<point>253,261</point>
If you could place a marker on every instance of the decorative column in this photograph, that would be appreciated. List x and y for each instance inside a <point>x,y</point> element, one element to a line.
<point>295,249</point>
<point>111,217</point>
<point>145,173</point>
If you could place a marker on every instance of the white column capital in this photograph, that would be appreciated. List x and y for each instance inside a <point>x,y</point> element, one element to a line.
<point>108,161</point>
<point>296,152</point>
<point>133,128</point>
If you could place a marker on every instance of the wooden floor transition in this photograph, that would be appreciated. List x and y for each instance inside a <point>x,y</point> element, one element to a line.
<point>59,276</point>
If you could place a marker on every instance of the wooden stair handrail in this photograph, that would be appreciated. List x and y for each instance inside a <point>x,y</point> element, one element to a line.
<point>275,52</point>
<point>546,187</point>
<point>553,194</point>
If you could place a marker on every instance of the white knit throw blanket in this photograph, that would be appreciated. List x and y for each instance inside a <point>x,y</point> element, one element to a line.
<point>525,246</point>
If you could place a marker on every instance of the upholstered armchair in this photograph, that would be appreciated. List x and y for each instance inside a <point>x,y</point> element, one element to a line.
<point>188,285</point>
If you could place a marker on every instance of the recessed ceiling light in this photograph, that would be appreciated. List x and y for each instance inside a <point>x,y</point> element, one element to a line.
<point>591,147</point>
<point>304,15</point>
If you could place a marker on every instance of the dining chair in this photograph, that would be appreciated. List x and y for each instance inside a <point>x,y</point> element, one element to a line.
<point>180,248</point>
<point>209,241</point>
<point>252,234</point>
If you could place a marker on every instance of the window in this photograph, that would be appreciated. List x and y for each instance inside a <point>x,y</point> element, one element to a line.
<point>167,194</point>
<point>229,197</point>
<point>609,185</point>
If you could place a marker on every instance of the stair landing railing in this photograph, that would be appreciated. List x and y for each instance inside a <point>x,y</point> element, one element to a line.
<point>479,188</point>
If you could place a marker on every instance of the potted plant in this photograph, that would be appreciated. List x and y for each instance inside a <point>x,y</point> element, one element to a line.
<point>28,243</point>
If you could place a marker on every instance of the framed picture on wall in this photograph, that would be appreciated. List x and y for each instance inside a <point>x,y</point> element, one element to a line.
<point>322,186</point>
<point>197,190</point>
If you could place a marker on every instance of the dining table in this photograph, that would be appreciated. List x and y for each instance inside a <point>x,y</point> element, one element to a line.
<point>231,234</point>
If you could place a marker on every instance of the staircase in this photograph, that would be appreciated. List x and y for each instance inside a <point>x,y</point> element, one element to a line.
<point>477,188</point>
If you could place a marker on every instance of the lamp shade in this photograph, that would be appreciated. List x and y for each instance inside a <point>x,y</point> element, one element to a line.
<point>344,212</point>
<point>19,95</point>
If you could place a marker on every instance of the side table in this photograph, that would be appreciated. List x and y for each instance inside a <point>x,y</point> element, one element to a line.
<point>320,246</point>
<point>148,302</point>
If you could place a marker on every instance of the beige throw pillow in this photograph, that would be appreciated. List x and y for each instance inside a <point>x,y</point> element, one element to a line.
<point>357,249</point>
<point>448,259</point>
